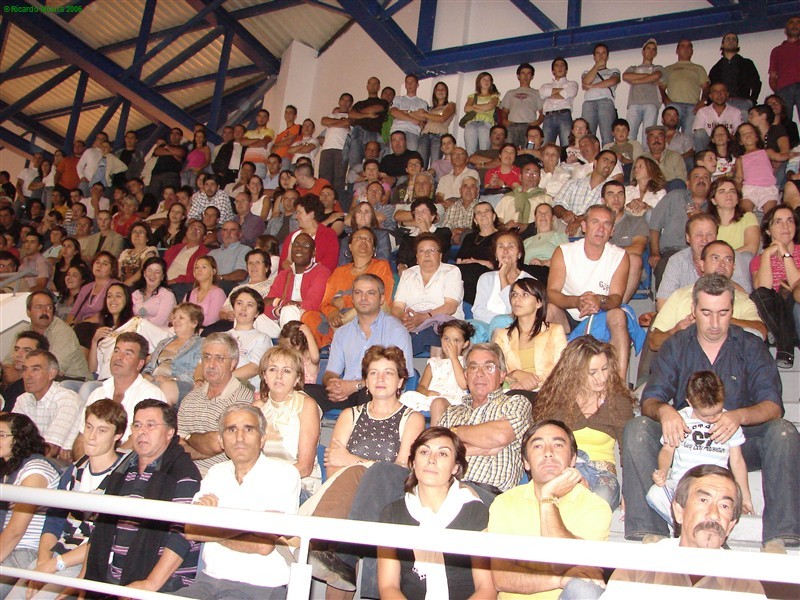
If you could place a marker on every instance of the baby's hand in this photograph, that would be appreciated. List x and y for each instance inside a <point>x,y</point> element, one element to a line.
<point>659,477</point>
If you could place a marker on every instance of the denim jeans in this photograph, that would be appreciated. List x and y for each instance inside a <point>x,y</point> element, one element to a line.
<point>601,481</point>
<point>332,168</point>
<point>557,126</point>
<point>744,105</point>
<point>580,589</point>
<point>430,148</point>
<point>517,134</point>
<point>644,116</point>
<point>701,139</point>
<point>600,113</point>
<point>772,447</point>
<point>354,145</point>
<point>791,96</point>
<point>476,136</point>
<point>686,114</point>
<point>412,141</point>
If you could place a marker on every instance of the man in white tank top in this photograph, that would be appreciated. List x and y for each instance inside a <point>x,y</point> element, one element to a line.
<point>588,277</point>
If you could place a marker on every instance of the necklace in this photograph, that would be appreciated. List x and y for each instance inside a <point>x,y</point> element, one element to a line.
<point>480,238</point>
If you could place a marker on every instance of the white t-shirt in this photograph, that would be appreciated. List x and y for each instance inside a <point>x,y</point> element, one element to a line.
<point>585,275</point>
<point>252,346</point>
<point>271,485</point>
<point>335,136</point>
<point>410,103</point>
<point>140,389</point>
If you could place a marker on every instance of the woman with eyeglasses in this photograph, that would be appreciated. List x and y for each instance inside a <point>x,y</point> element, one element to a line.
<point>428,294</point>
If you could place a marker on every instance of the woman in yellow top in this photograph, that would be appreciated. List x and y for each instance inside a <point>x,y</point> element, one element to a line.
<point>482,103</point>
<point>586,392</point>
<point>738,228</point>
<point>531,345</point>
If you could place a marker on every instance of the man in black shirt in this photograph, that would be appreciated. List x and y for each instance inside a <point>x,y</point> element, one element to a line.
<point>367,117</point>
<point>738,74</point>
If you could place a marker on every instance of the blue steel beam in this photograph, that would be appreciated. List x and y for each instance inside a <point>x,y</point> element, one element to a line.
<point>161,89</point>
<point>101,69</point>
<point>19,145</point>
<point>37,93</point>
<point>245,41</point>
<point>75,113</point>
<point>623,35</point>
<point>263,9</point>
<point>21,60</point>
<point>219,86</point>
<point>122,124</point>
<point>426,25</point>
<point>385,32</point>
<point>396,7</point>
<point>24,122</point>
<point>104,120</point>
<point>144,35</point>
<point>534,13</point>
<point>573,14</point>
<point>327,6</point>
<point>82,4</point>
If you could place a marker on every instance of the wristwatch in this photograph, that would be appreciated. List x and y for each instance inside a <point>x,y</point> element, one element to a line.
<point>549,500</point>
<point>360,385</point>
<point>60,564</point>
<point>787,255</point>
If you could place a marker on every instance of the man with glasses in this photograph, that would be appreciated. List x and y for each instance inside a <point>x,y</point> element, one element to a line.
<point>230,256</point>
<point>126,385</point>
<point>138,553</point>
<point>201,409</point>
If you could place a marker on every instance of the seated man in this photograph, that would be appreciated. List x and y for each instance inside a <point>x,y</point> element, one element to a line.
<point>589,147</point>
<point>707,505</point>
<point>573,200</point>
<point>671,162</point>
<point>307,183</point>
<point>200,411</point>
<point>252,225</point>
<point>211,195</point>
<point>683,267</point>
<point>553,504</point>
<point>450,185</point>
<point>630,233</point>
<point>230,257</point>
<point>105,239</point>
<point>752,401</point>
<point>343,380</point>
<point>13,385</point>
<point>243,564</point>
<point>53,408</point>
<point>588,277</point>
<point>459,218</point>
<point>34,264</point>
<point>676,313</point>
<point>719,112</point>
<point>126,385</point>
<point>143,553</point>
<point>490,422</point>
<point>516,209</point>
<point>393,165</point>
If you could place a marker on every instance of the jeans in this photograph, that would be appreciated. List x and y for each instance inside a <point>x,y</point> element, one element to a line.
<point>580,589</point>
<point>644,116</point>
<point>601,481</point>
<point>517,134</point>
<point>791,96</point>
<point>660,500</point>
<point>20,558</point>
<point>476,136</point>
<point>354,145</point>
<point>701,139</point>
<point>557,126</point>
<point>430,148</point>
<point>772,447</point>
<point>686,113</point>
<point>778,314</point>
<point>744,105</point>
<point>412,141</point>
<point>382,484</point>
<point>600,113</point>
<point>332,168</point>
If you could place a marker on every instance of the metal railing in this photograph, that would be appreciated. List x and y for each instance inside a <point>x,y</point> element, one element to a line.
<point>622,555</point>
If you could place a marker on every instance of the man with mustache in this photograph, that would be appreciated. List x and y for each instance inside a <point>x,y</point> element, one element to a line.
<point>707,506</point>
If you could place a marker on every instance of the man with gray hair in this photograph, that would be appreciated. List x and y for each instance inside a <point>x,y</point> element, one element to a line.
<point>54,408</point>
<point>243,564</point>
<point>199,412</point>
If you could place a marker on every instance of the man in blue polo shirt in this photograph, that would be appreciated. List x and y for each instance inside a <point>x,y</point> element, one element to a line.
<point>343,380</point>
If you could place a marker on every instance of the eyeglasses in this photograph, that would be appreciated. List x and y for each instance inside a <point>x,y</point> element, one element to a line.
<point>149,426</point>
<point>428,251</point>
<point>4,435</point>
<point>488,368</point>
<point>213,358</point>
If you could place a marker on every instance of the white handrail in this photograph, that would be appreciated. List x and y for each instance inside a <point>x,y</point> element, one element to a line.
<point>734,564</point>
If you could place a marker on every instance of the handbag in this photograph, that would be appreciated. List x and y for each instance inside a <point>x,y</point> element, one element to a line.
<point>468,116</point>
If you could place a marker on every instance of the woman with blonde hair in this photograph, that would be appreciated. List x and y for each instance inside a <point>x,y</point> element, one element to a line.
<point>586,392</point>
<point>206,293</point>
<point>648,186</point>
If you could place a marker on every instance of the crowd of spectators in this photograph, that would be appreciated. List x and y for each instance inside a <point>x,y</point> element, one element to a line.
<point>181,297</point>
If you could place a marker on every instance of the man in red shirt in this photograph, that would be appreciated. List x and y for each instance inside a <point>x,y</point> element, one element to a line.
<point>66,176</point>
<point>784,68</point>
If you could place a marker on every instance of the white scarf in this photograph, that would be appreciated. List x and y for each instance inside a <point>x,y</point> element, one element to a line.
<point>429,565</point>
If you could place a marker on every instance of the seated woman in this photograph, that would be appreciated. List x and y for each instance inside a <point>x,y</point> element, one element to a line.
<point>297,336</point>
<point>68,256</point>
<point>92,297</point>
<point>492,305</point>
<point>22,463</point>
<point>428,294</point>
<point>539,248</point>
<point>122,221</point>
<point>435,499</point>
<point>724,150</point>
<point>206,293</point>
<point>247,305</point>
<point>172,364</point>
<point>647,187</point>
<point>775,271</point>
<point>531,345</point>
<point>310,213</point>
<point>131,259</point>
<point>75,279</point>
<point>337,303</point>
<point>364,216</point>
<point>506,175</point>
<point>475,256</point>
<point>293,417</point>
<point>174,230</point>
<point>586,392</point>
<point>425,217</point>
<point>152,300</point>
<point>380,430</point>
<point>738,228</point>
<point>334,215</point>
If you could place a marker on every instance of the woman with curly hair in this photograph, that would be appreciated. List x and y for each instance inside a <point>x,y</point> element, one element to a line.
<point>23,463</point>
<point>586,392</point>
<point>647,186</point>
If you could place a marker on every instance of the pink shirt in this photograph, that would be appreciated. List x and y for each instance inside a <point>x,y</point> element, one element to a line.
<point>778,266</point>
<point>757,169</point>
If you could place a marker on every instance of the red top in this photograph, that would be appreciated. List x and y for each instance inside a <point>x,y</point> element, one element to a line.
<point>785,61</point>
